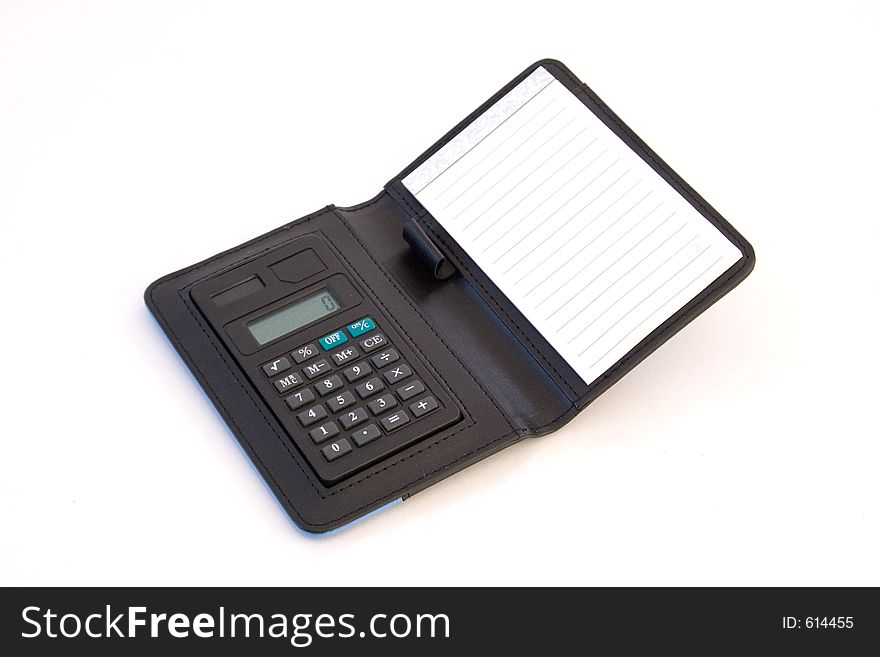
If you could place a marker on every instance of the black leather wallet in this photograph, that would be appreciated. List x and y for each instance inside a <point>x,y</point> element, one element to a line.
<point>499,284</point>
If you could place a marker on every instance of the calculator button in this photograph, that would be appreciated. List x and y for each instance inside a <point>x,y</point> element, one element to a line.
<point>328,385</point>
<point>397,373</point>
<point>395,420</point>
<point>382,404</point>
<point>385,357</point>
<point>345,355</point>
<point>410,390</point>
<point>312,415</point>
<point>304,353</point>
<point>336,449</point>
<point>375,341</point>
<point>361,326</point>
<point>356,372</point>
<point>362,436</point>
<point>371,387</point>
<point>286,383</point>
<point>423,406</point>
<point>352,418</point>
<point>299,399</point>
<point>276,367</point>
<point>325,431</point>
<point>332,340</point>
<point>340,401</point>
<point>316,369</point>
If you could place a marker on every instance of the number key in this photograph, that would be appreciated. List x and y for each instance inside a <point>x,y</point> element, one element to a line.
<point>328,385</point>
<point>356,372</point>
<point>312,415</point>
<point>350,419</point>
<point>324,432</point>
<point>371,387</point>
<point>340,401</point>
<point>384,402</point>
<point>336,449</point>
<point>299,399</point>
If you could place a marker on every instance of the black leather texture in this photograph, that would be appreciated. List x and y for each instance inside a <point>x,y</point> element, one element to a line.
<point>509,382</point>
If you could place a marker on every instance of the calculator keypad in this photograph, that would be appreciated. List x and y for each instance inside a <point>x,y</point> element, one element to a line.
<point>350,391</point>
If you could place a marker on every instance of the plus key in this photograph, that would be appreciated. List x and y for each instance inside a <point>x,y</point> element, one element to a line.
<point>423,406</point>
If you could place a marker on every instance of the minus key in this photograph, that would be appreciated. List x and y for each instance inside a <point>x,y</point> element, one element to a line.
<point>410,390</point>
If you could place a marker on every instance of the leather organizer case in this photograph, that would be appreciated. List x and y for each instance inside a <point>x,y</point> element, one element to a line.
<point>506,379</point>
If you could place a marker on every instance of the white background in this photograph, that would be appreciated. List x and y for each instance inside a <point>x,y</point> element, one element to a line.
<point>138,138</point>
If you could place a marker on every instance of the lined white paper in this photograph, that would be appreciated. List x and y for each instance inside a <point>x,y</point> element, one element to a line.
<point>589,242</point>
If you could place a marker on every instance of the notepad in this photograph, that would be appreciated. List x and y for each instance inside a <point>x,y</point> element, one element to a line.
<point>592,245</point>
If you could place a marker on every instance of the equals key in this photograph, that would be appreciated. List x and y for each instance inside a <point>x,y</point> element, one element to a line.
<point>395,420</point>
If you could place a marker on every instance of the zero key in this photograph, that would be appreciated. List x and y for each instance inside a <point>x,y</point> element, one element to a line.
<point>336,449</point>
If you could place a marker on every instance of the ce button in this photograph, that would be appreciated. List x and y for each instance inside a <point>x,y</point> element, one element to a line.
<point>375,341</point>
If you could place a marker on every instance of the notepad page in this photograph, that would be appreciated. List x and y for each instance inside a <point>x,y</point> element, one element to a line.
<point>586,239</point>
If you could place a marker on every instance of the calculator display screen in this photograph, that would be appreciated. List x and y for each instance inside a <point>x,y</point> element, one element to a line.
<point>293,316</point>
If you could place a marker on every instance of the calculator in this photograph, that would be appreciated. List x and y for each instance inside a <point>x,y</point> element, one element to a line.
<point>348,390</point>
